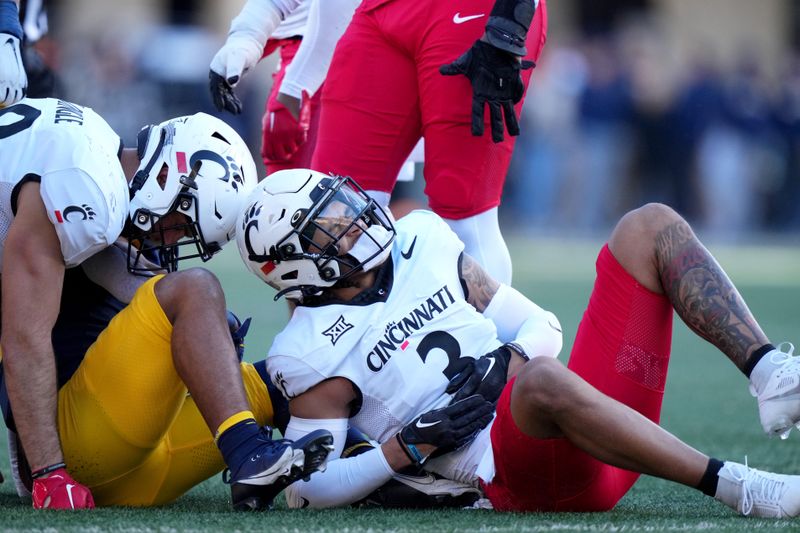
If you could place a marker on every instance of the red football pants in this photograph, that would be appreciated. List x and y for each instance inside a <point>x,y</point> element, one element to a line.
<point>384,91</point>
<point>302,157</point>
<point>622,348</point>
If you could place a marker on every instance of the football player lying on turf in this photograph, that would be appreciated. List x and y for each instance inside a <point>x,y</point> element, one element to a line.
<point>393,319</point>
<point>101,414</point>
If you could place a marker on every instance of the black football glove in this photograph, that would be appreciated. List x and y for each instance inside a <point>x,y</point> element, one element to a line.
<point>222,93</point>
<point>447,429</point>
<point>485,376</point>
<point>496,80</point>
<point>238,331</point>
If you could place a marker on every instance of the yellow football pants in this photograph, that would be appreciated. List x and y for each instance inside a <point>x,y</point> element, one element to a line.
<point>128,428</point>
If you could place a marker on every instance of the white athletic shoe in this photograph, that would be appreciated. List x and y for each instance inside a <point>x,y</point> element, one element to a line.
<point>779,396</point>
<point>756,493</point>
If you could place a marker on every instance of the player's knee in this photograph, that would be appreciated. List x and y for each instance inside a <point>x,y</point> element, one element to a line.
<point>541,383</point>
<point>194,288</point>
<point>647,221</point>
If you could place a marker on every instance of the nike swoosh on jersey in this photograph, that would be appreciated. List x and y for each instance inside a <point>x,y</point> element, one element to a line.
<point>407,253</point>
<point>422,425</point>
<point>458,19</point>
<point>552,326</point>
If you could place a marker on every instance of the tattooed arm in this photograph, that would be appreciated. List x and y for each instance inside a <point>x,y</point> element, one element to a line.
<point>531,330</point>
<point>479,287</point>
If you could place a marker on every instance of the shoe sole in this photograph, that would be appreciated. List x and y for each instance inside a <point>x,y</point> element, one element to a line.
<point>781,424</point>
<point>782,427</point>
<point>309,457</point>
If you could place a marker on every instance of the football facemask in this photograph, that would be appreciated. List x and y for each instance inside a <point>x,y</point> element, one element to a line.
<point>304,231</point>
<point>195,166</point>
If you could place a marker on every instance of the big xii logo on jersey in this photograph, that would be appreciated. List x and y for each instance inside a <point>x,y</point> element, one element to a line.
<point>337,329</point>
<point>398,331</point>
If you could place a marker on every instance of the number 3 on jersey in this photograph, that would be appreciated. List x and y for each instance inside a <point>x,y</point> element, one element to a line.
<point>449,345</point>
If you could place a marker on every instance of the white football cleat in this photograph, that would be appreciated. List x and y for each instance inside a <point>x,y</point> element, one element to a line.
<point>757,493</point>
<point>779,396</point>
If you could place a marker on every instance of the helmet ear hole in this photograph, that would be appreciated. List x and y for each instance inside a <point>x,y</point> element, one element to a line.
<point>298,216</point>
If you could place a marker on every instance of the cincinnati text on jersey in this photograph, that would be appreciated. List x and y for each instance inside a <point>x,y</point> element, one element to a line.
<point>397,331</point>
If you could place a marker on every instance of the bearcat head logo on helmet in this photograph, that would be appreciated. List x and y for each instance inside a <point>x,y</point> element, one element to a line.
<point>194,175</point>
<point>302,231</point>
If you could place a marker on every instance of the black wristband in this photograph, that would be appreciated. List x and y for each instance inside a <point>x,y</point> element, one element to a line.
<point>47,470</point>
<point>517,348</point>
<point>411,451</point>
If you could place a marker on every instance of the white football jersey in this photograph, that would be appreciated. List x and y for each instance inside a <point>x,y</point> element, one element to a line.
<point>74,155</point>
<point>399,343</point>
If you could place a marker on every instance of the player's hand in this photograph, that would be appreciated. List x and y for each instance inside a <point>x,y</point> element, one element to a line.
<point>496,80</point>
<point>13,80</point>
<point>283,134</point>
<point>238,55</point>
<point>485,376</point>
<point>59,491</point>
<point>446,429</point>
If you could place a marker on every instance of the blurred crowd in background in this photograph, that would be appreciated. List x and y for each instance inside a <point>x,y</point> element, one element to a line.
<point>612,120</point>
<point>607,127</point>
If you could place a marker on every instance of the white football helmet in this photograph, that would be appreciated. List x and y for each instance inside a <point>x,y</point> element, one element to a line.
<point>291,229</point>
<point>197,166</point>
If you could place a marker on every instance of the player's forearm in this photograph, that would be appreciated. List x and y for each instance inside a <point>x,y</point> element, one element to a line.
<point>259,18</point>
<point>327,21</point>
<point>30,377</point>
<point>534,331</point>
<point>343,482</point>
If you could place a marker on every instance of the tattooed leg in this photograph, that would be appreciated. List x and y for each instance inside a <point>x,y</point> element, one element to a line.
<point>703,295</point>
<point>659,249</point>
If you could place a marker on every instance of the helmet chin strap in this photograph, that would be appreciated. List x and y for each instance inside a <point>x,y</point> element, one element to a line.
<point>372,247</point>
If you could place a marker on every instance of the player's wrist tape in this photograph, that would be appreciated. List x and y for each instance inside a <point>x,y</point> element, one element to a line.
<point>47,470</point>
<point>411,451</point>
<point>9,19</point>
<point>507,27</point>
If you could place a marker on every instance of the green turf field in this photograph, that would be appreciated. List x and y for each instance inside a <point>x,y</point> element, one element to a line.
<point>707,404</point>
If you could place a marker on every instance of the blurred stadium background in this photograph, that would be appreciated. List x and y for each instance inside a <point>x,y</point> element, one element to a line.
<point>695,103</point>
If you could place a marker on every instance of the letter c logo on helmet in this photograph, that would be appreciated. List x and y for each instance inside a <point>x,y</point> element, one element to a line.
<point>209,193</point>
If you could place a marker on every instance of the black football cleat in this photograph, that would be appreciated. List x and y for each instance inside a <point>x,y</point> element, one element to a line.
<point>254,488</point>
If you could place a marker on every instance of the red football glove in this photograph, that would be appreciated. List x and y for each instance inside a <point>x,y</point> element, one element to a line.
<point>284,134</point>
<point>59,491</point>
